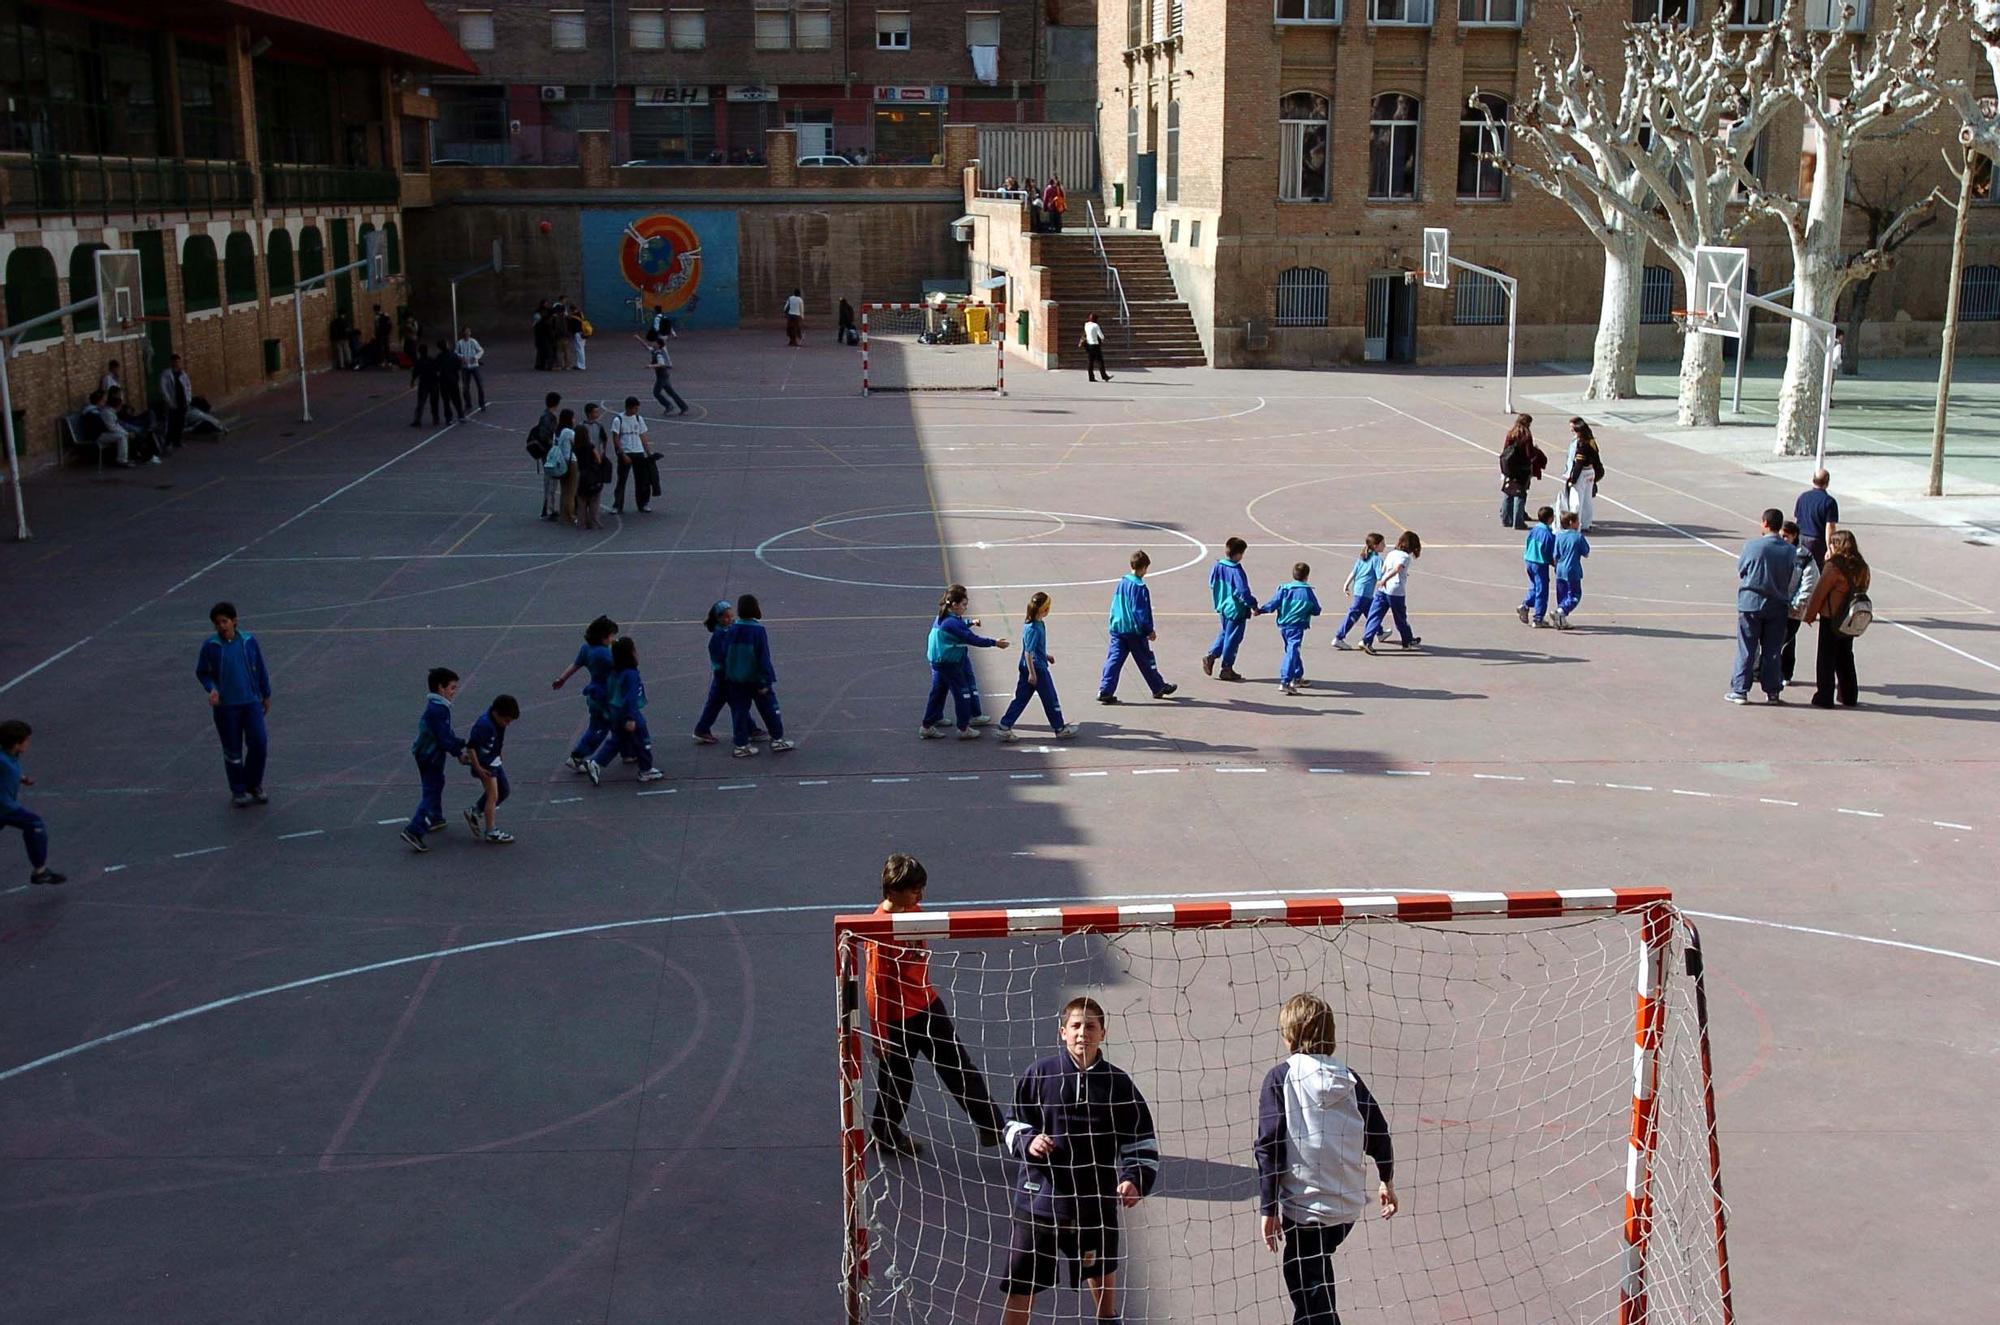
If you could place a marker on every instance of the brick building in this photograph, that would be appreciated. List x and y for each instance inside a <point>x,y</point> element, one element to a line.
<point>239,146</point>
<point>1289,154</point>
<point>682,83</point>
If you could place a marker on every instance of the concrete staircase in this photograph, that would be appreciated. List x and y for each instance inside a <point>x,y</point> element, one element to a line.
<point>1163,332</point>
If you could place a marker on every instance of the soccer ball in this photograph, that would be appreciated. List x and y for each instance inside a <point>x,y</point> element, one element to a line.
<point>547,226</point>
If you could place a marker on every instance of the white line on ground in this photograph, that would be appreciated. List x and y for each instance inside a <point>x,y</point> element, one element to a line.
<point>310,832</point>
<point>1940,823</point>
<point>1682,791</point>
<point>1098,773</point>
<point>1233,768</point>
<point>962,777</point>
<point>813,782</point>
<point>203,851</point>
<point>1498,777</point>
<point>388,821</point>
<point>1766,800</point>
<point>17,888</point>
<point>1326,770</point>
<point>738,786</point>
<point>1564,782</point>
<point>1865,814</point>
<point>1627,786</point>
<point>888,779</point>
<point>1024,777</point>
<point>565,800</point>
<point>1406,772</point>
<point>113,869</point>
<point>664,791</point>
<point>1142,772</point>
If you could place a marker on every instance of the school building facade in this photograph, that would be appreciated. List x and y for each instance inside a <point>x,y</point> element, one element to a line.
<point>240,146</point>
<point>1290,153</point>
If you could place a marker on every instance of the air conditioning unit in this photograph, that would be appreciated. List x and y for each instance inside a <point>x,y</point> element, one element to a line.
<point>554,92</point>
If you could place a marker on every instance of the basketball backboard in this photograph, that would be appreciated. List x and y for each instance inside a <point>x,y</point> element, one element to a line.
<point>121,300</point>
<point>1437,258</point>
<point>1721,276</point>
<point>374,248</point>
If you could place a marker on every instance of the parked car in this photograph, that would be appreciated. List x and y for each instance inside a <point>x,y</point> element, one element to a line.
<point>824,161</point>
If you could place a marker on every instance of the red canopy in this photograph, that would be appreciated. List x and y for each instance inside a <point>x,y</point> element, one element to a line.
<point>403,28</point>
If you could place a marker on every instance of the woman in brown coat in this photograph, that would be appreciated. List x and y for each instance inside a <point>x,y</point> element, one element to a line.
<point>1846,575</point>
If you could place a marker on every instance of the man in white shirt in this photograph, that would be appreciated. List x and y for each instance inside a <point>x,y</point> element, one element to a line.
<point>177,394</point>
<point>795,319</point>
<point>628,433</point>
<point>470,352</point>
<point>1093,348</point>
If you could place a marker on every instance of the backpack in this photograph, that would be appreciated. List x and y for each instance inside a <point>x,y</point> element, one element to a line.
<point>1860,614</point>
<point>538,442</point>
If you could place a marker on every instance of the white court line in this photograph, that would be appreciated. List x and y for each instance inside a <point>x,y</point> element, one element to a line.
<point>613,926</point>
<point>565,800</point>
<point>1766,800</point>
<point>204,851</point>
<point>1865,814</point>
<point>797,551</point>
<point>1100,773</point>
<point>1326,770</point>
<point>963,777</point>
<point>310,832</point>
<point>113,869</point>
<point>738,786</point>
<point>888,779</point>
<point>1564,782</point>
<point>1406,772</point>
<point>1498,777</point>
<point>17,888</point>
<point>1626,786</point>
<point>1142,772</point>
<point>668,791</point>
<point>1940,823</point>
<point>1234,768</point>
<point>390,821</point>
<point>1680,791</point>
<point>1024,777</point>
<point>814,782</point>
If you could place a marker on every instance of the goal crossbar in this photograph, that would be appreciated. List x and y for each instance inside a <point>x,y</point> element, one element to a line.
<point>1663,934</point>
<point>907,347</point>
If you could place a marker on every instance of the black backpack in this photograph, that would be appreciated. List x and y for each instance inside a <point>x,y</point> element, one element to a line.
<point>538,441</point>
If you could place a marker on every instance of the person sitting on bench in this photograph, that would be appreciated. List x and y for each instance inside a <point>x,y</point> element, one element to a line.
<point>138,426</point>
<point>100,429</point>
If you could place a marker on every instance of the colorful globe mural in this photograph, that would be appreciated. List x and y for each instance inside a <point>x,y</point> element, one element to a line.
<point>660,257</point>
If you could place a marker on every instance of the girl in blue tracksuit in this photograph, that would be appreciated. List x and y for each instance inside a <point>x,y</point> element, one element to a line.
<point>1035,678</point>
<point>626,708</point>
<point>593,656</point>
<point>951,635</point>
<point>750,678</point>
<point>1361,583</point>
<point>1295,606</point>
<point>721,616</point>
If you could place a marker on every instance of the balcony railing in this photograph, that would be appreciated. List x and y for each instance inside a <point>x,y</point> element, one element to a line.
<point>52,184</point>
<point>311,185</point>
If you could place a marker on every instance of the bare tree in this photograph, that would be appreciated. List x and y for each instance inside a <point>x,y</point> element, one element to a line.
<point>1898,203</point>
<point>1851,92</point>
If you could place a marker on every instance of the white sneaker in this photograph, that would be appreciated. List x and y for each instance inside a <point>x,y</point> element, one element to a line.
<point>782,744</point>
<point>1735,698</point>
<point>651,775</point>
<point>982,720</point>
<point>1006,735</point>
<point>1342,645</point>
<point>969,734</point>
<point>595,771</point>
<point>930,734</point>
<point>1067,732</point>
<point>744,751</point>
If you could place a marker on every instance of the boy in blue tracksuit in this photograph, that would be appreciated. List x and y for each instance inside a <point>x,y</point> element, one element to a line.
<point>231,669</point>
<point>483,743</point>
<point>1131,623</point>
<point>13,744</point>
<point>951,635</point>
<point>1539,554</point>
<point>1361,579</point>
<point>721,616</point>
<point>1295,606</point>
<point>1571,548</point>
<point>592,656</point>
<point>750,678</point>
<point>1229,588</point>
<point>625,706</point>
<point>435,743</point>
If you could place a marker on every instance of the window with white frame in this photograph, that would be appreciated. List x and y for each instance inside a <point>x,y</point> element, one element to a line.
<point>1135,23</point>
<point>1827,15</point>
<point>649,29</point>
<point>1477,300</point>
<point>1479,175</point>
<point>475,29</point>
<point>892,30</point>
<point>1308,11</point>
<point>1304,138</point>
<point>773,30</point>
<point>1489,13</point>
<point>982,27</point>
<point>1753,13</point>
<point>1392,146</point>
<point>687,29</point>
<point>1301,298</point>
<point>815,27</point>
<point>1159,28</point>
<point>1409,13</point>
<point>1660,11</point>
<point>566,29</point>
<point>1176,17</point>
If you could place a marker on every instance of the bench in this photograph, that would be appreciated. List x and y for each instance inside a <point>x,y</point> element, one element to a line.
<point>70,435</point>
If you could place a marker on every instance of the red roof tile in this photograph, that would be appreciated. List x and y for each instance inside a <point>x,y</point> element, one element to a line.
<point>400,27</point>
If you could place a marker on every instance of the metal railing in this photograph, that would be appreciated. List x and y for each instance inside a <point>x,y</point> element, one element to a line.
<point>1113,283</point>
<point>329,184</point>
<point>59,184</point>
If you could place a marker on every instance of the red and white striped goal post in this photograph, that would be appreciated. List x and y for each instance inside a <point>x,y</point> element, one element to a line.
<point>1654,904</point>
<point>997,332</point>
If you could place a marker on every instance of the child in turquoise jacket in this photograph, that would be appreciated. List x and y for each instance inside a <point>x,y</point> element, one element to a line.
<point>1295,605</point>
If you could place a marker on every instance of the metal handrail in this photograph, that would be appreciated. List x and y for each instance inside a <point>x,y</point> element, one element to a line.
<point>1113,283</point>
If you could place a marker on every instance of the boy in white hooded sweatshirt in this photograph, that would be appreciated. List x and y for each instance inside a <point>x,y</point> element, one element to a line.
<point>1317,1126</point>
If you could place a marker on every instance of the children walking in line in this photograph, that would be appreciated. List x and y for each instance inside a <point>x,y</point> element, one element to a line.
<point>751,679</point>
<point>1539,554</point>
<point>1317,1127</point>
<point>951,674</point>
<point>14,736</point>
<point>1035,678</point>
<point>592,656</point>
<point>483,744</point>
<point>1391,591</point>
<point>1131,625</point>
<point>1229,588</point>
<point>435,743</point>
<point>231,669</point>
<point>980,717</point>
<point>1295,605</point>
<point>1361,578</point>
<point>1083,1137</point>
<point>629,734</point>
<point>1570,550</point>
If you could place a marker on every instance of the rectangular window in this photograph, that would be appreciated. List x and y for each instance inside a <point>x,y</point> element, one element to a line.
<point>1752,13</point>
<point>1194,234</point>
<point>1478,301</point>
<point>1159,28</point>
<point>815,28</point>
<point>982,28</point>
<point>1660,11</point>
<point>1300,298</point>
<point>649,29</point>
<point>774,29</point>
<point>1656,296</point>
<point>1173,180</point>
<point>1490,13</point>
<point>475,29</point>
<point>1827,15</point>
<point>892,30</point>
<point>1135,22</point>
<point>566,29</point>
<point>1979,294</point>
<point>1308,11</point>
<point>687,29</point>
<point>1406,13</point>
<point>1174,230</point>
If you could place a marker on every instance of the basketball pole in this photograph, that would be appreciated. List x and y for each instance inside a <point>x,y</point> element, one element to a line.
<point>491,266</point>
<point>10,338</point>
<point>299,291</point>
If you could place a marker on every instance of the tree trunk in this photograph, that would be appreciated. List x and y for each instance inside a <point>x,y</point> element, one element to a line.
<point>1614,369</point>
<point>1701,382</point>
<point>1816,284</point>
<point>1857,318</point>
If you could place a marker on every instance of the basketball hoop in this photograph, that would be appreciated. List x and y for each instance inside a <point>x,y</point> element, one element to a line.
<point>1691,320</point>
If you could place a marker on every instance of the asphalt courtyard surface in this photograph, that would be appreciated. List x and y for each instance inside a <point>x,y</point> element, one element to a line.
<point>215,1105</point>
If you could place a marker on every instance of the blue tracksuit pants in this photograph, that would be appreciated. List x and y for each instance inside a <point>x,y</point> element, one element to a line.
<point>245,745</point>
<point>1140,651</point>
<point>33,831</point>
<point>594,732</point>
<point>1356,610</point>
<point>951,679</point>
<point>637,743</point>
<point>500,784</point>
<point>742,695</point>
<point>1383,605</point>
<point>1025,690</point>
<point>1228,640</point>
<point>430,805</point>
<point>1293,668</point>
<point>1568,594</point>
<point>1537,601</point>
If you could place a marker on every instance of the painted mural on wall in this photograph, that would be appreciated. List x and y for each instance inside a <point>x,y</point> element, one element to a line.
<point>682,262</point>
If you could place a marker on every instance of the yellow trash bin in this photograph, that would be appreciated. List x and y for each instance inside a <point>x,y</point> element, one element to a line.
<point>975,323</point>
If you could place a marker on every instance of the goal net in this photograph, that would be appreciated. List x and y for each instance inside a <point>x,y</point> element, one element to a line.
<point>932,346</point>
<point>1553,1134</point>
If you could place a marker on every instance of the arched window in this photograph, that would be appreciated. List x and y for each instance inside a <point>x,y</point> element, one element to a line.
<point>239,268</point>
<point>361,233</point>
<point>83,284</point>
<point>1303,134</point>
<point>1301,298</point>
<point>1392,146</point>
<point>312,253</point>
<point>1478,142</point>
<point>395,248</point>
<point>201,285</point>
<point>32,290</point>
<point>278,260</point>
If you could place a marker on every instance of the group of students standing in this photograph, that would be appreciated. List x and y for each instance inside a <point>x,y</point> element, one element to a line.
<point>561,332</point>
<point>445,379</point>
<point>579,458</point>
